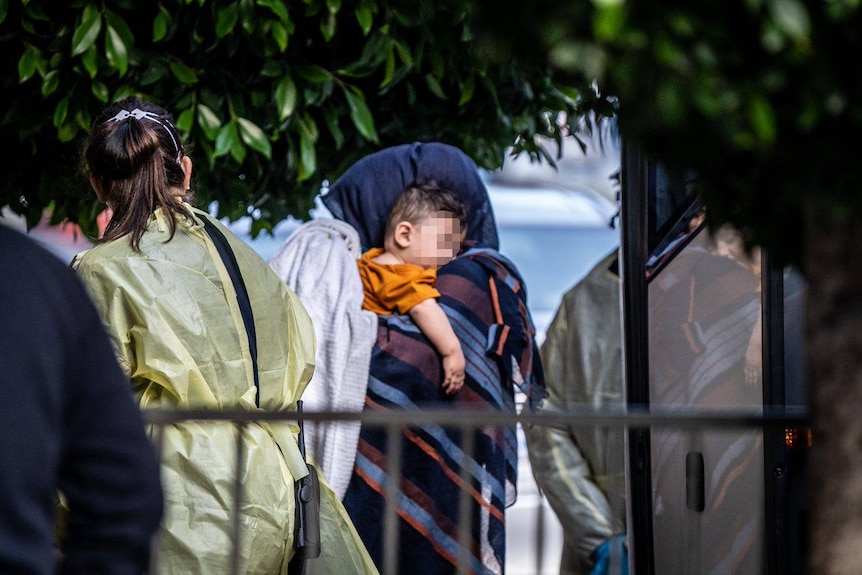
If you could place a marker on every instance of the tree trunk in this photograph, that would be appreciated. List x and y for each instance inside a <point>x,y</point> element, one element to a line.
<point>834,336</point>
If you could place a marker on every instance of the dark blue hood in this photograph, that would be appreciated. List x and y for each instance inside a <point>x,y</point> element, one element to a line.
<point>364,194</point>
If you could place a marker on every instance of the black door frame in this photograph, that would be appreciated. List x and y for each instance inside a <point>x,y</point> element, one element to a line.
<point>639,192</point>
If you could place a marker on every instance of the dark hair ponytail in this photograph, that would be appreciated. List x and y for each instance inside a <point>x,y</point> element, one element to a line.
<point>134,151</point>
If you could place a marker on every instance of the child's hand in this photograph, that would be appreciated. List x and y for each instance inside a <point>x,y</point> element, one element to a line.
<point>453,371</point>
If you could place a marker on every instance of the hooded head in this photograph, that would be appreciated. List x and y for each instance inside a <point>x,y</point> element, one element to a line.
<point>364,195</point>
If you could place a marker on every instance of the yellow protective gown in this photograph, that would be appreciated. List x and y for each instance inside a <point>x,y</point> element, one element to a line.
<point>172,313</point>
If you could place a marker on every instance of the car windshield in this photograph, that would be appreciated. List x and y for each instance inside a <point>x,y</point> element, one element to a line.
<point>552,259</point>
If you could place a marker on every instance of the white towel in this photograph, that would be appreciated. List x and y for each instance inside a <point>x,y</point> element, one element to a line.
<point>318,262</point>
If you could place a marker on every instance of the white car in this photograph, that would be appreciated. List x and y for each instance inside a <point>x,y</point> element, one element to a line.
<point>554,235</point>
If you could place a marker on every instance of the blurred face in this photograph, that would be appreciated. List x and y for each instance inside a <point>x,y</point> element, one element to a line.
<point>438,240</point>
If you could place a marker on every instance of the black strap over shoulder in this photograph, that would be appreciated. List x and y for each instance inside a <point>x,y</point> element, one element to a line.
<point>229,259</point>
<point>307,490</point>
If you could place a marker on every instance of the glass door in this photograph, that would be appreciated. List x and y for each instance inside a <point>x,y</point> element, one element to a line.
<point>708,327</point>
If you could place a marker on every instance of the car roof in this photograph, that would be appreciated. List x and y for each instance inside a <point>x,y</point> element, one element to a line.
<point>571,206</point>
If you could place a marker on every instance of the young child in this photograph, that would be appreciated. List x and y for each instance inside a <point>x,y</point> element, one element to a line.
<point>424,231</point>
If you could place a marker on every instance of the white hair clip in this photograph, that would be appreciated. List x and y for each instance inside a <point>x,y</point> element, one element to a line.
<point>139,115</point>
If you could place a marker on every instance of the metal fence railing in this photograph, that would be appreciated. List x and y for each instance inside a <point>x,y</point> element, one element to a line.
<point>395,421</point>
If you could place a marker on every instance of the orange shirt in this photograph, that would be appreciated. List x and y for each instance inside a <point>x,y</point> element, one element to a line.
<point>394,288</point>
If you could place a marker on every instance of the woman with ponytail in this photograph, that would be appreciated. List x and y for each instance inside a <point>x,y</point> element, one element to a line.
<point>171,308</point>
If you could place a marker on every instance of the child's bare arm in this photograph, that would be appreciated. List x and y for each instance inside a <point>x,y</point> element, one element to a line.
<point>432,320</point>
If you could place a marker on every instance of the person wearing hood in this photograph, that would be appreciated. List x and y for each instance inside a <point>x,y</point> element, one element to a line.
<point>484,297</point>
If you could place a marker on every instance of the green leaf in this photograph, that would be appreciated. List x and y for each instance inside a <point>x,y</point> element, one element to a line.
<point>272,69</point>
<point>208,121</point>
<point>118,54</point>
<point>161,24</point>
<point>247,19</point>
<point>467,90</point>
<point>90,59</point>
<point>183,73</point>
<point>27,25</point>
<point>466,34</point>
<point>254,137</point>
<point>762,119</point>
<point>434,86</point>
<point>361,115</point>
<point>227,18</point>
<point>184,120</point>
<point>100,91</point>
<point>374,53</point>
<point>365,18</point>
<point>61,111</point>
<point>153,73</point>
<point>41,64</point>
<point>327,26</point>
<point>609,21</point>
<point>124,91</point>
<point>4,7</point>
<point>404,54</point>
<point>87,31</point>
<point>50,83</point>
<point>280,34</point>
<point>333,5</point>
<point>226,139</point>
<point>238,151</point>
<point>331,119</point>
<point>389,71</point>
<point>307,158</point>
<point>122,28</point>
<point>286,97</point>
<point>570,93</point>
<point>67,132</point>
<point>26,65</point>
<point>278,8</point>
<point>309,127</point>
<point>792,18</point>
<point>260,226</point>
<point>314,73</point>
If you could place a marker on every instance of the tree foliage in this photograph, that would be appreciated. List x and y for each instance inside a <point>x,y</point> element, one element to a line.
<point>275,97</point>
<point>758,97</point>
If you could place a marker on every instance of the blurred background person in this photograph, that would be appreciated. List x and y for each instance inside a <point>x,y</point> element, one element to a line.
<point>580,468</point>
<point>68,422</point>
<point>705,352</point>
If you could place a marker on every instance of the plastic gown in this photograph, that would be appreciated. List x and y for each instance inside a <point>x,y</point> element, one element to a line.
<point>581,470</point>
<point>172,312</point>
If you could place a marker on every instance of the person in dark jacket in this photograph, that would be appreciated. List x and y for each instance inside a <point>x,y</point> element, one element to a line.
<point>68,424</point>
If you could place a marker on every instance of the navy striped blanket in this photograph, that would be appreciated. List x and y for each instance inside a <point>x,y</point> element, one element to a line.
<point>485,299</point>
